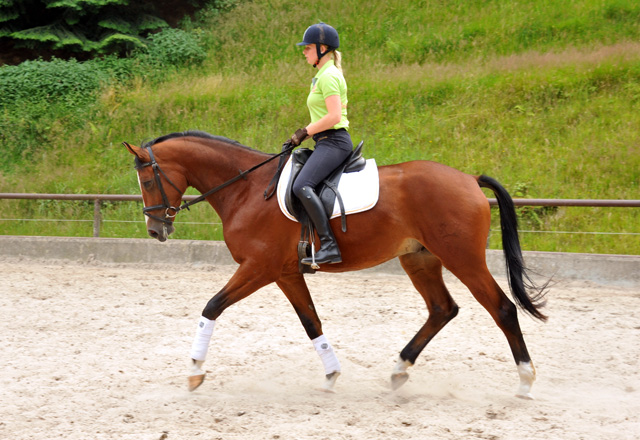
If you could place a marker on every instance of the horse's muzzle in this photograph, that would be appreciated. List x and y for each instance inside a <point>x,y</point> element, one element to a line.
<point>160,231</point>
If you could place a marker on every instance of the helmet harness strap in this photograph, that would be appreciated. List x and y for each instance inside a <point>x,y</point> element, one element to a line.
<point>320,54</point>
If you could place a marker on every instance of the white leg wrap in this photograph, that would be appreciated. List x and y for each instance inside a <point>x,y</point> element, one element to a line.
<point>203,337</point>
<point>196,368</point>
<point>325,350</point>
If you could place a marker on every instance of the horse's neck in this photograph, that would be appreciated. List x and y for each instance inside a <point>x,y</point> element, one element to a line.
<point>209,166</point>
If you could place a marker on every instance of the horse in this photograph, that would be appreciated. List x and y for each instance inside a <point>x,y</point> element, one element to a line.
<point>428,215</point>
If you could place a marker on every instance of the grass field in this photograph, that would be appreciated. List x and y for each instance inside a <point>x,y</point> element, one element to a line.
<point>543,96</point>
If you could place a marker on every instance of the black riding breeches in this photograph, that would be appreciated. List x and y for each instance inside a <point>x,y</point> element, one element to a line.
<point>332,148</point>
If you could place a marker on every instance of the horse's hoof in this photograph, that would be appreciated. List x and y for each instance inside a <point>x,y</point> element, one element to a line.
<point>195,381</point>
<point>398,379</point>
<point>525,396</point>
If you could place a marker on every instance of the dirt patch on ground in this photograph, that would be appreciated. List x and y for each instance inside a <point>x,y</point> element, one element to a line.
<point>100,351</point>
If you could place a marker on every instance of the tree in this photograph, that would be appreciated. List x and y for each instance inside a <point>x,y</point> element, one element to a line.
<point>84,28</point>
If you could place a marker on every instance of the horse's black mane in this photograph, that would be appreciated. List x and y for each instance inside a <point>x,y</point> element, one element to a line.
<point>193,133</point>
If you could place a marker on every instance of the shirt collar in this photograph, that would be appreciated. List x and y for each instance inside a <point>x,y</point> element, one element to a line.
<point>325,67</point>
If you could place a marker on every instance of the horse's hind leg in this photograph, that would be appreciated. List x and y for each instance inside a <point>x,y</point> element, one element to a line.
<point>425,271</point>
<point>488,293</point>
<point>297,292</point>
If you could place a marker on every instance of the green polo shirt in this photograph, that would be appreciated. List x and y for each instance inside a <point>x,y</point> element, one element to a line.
<point>328,81</point>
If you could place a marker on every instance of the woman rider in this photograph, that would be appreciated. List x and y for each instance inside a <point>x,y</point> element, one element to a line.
<point>327,102</point>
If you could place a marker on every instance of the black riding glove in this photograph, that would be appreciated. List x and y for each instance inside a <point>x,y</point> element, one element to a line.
<point>299,136</point>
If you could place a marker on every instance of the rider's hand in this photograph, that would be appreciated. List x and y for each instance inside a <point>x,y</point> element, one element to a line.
<point>299,136</point>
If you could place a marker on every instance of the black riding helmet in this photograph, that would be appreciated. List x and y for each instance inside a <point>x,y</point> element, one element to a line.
<point>321,33</point>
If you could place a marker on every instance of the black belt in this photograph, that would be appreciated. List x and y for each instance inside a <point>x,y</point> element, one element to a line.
<point>327,133</point>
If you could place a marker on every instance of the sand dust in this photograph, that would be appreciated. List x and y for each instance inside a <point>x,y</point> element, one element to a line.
<point>99,351</point>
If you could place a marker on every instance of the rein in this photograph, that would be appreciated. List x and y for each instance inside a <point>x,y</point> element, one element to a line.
<point>287,147</point>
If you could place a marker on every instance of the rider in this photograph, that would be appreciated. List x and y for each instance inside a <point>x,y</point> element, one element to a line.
<point>327,102</point>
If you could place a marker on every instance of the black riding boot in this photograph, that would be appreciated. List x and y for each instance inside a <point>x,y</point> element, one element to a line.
<point>329,252</point>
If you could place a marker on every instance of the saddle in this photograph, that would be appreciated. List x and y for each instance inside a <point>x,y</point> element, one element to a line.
<point>328,189</point>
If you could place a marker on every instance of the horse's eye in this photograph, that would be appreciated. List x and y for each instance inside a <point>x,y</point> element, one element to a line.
<point>148,184</point>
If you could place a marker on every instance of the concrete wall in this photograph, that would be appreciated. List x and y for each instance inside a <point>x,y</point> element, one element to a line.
<point>618,270</point>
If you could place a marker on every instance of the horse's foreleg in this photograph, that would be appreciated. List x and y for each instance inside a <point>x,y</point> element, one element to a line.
<point>199,350</point>
<point>329,360</point>
<point>297,292</point>
<point>242,284</point>
<point>425,272</point>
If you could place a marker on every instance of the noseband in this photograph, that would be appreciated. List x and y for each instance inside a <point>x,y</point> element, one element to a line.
<point>157,171</point>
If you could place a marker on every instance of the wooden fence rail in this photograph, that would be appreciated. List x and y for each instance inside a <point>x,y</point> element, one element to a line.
<point>98,198</point>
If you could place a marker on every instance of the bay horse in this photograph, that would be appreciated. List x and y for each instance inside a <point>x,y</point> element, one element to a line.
<point>428,215</point>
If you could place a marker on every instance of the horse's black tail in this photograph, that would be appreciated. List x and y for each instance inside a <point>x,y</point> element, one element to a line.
<point>527,295</point>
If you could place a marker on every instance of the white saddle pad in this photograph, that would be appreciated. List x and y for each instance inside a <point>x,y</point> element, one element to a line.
<point>359,190</point>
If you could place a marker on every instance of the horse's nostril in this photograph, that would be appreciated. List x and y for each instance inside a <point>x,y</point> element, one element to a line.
<point>153,233</point>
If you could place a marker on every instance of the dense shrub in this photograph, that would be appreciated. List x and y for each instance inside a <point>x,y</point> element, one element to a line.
<point>175,47</point>
<point>39,100</point>
<point>71,82</point>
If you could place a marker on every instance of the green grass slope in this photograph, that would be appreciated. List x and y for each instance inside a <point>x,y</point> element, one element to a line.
<point>542,95</point>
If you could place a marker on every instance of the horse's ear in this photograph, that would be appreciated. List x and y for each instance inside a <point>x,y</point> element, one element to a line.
<point>137,151</point>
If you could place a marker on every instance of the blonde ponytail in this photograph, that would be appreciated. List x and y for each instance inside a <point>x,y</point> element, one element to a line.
<point>337,57</point>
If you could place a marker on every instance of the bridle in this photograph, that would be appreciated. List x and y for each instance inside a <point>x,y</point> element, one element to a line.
<point>146,210</point>
<point>287,147</point>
